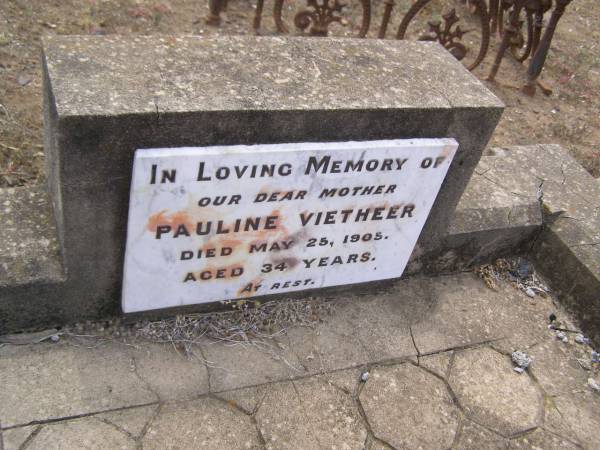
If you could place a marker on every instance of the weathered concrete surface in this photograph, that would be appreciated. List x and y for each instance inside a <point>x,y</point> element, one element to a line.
<point>84,433</point>
<point>133,421</point>
<point>47,382</point>
<point>202,423</point>
<point>29,249</point>
<point>15,438</point>
<point>246,399</point>
<point>581,414</point>
<point>475,437</point>
<point>78,377</point>
<point>465,311</point>
<point>409,408</point>
<point>117,429</point>
<point>570,198</point>
<point>490,221</point>
<point>346,380</point>
<point>577,277</point>
<point>349,339</point>
<point>107,96</point>
<point>469,394</point>
<point>170,375</point>
<point>310,414</point>
<point>233,366</point>
<point>542,439</point>
<point>492,394</point>
<point>556,368</point>
<point>438,363</point>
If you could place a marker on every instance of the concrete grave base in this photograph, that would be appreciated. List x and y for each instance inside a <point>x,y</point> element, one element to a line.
<point>517,202</point>
<point>105,97</point>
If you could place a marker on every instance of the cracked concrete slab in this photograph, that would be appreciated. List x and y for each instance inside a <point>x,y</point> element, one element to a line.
<point>465,312</point>
<point>556,369</point>
<point>50,381</point>
<point>16,437</point>
<point>246,399</point>
<point>475,437</point>
<point>238,365</point>
<point>364,329</point>
<point>87,433</point>
<point>203,423</point>
<point>346,380</point>
<point>390,339</point>
<point>310,414</point>
<point>555,423</point>
<point>170,374</point>
<point>564,185</point>
<point>322,349</point>
<point>510,209</point>
<point>438,363</point>
<point>282,420</point>
<point>581,413</point>
<point>492,394</point>
<point>525,320</point>
<point>375,444</point>
<point>541,439</point>
<point>132,421</point>
<point>407,407</point>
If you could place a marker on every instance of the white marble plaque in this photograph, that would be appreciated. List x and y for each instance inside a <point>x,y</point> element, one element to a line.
<point>222,223</point>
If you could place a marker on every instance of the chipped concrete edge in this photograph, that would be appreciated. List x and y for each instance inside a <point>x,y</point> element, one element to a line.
<point>572,272</point>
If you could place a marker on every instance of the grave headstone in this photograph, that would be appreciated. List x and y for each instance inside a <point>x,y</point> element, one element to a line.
<point>108,96</point>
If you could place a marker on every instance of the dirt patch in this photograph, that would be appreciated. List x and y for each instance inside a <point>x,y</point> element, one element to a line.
<point>570,116</point>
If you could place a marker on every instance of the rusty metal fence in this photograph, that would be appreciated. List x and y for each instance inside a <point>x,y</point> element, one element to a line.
<point>523,27</point>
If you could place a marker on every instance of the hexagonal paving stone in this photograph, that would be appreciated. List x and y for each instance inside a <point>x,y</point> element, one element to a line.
<point>203,423</point>
<point>493,394</point>
<point>408,407</point>
<point>310,414</point>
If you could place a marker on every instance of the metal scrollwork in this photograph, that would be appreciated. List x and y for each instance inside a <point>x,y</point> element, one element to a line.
<point>521,45</point>
<point>447,36</point>
<point>450,34</point>
<point>520,23</point>
<point>319,15</point>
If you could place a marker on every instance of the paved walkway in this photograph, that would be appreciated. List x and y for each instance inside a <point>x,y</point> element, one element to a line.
<point>426,366</point>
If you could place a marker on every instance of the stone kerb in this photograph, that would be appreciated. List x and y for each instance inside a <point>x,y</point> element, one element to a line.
<point>105,97</point>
